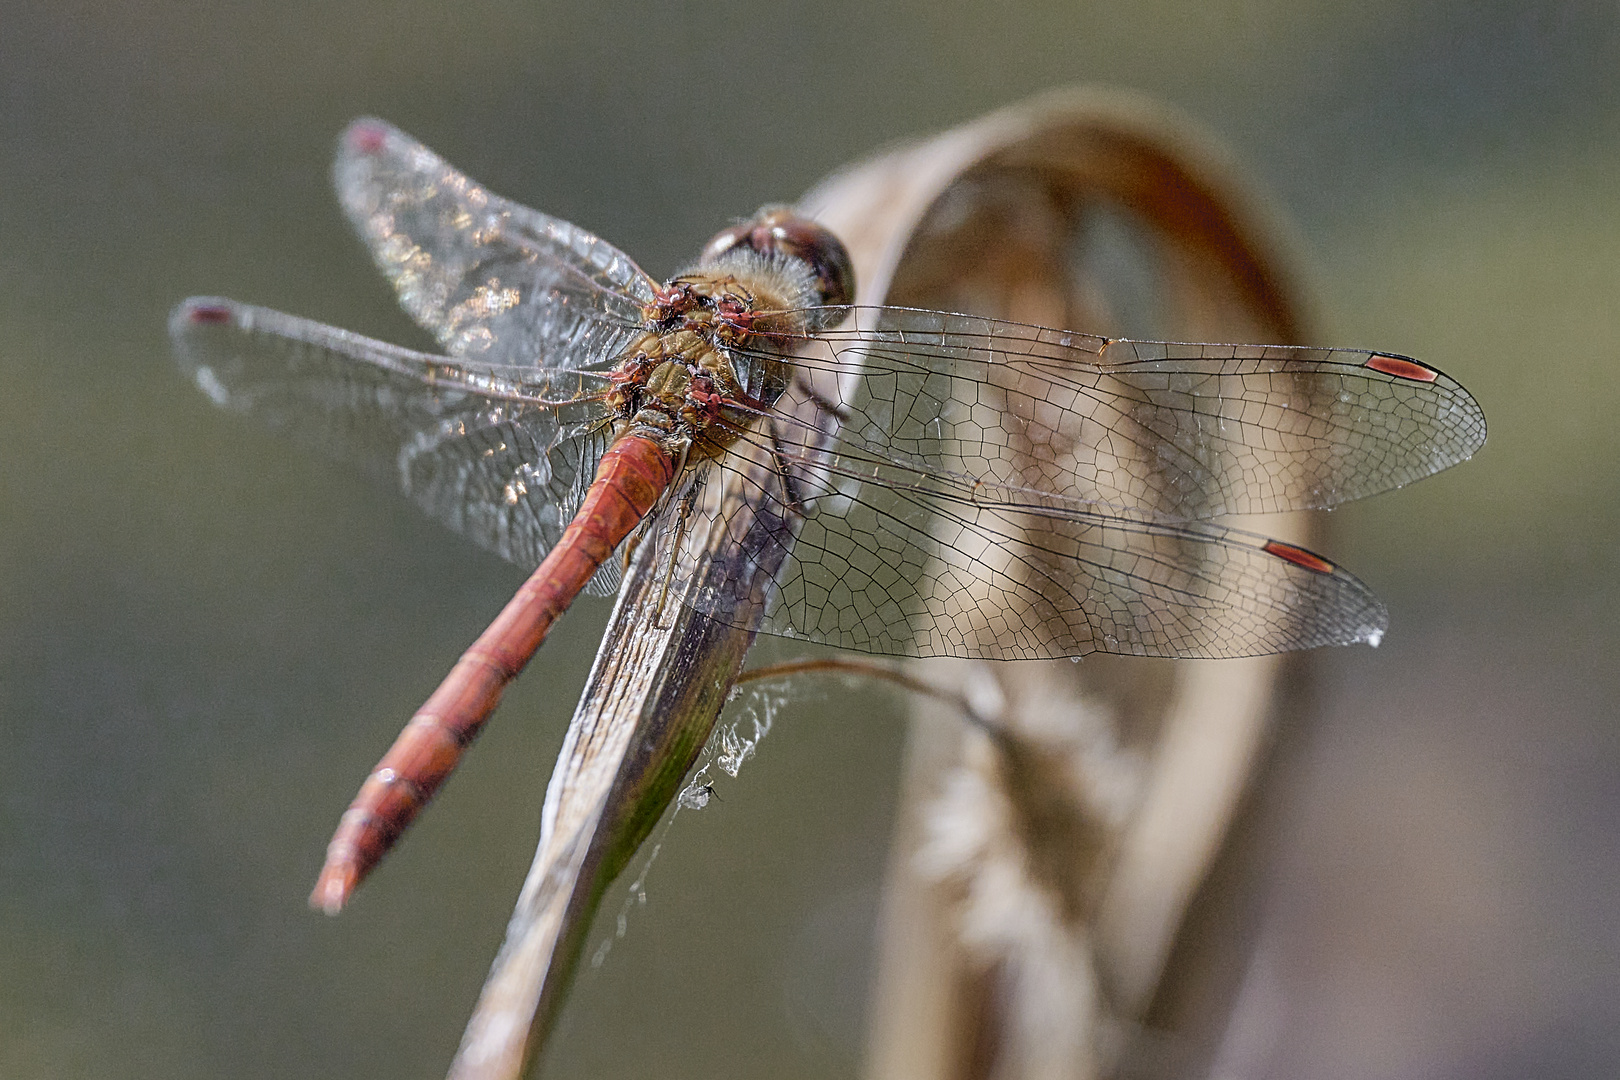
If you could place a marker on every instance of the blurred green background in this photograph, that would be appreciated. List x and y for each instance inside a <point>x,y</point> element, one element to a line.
<point>207,636</point>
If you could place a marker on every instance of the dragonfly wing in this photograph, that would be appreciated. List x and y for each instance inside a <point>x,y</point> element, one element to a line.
<point>501,455</point>
<point>489,278</point>
<point>1177,431</point>
<point>904,562</point>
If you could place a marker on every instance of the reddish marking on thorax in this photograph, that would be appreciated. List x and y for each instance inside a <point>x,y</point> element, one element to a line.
<point>633,474</point>
<point>1402,368</point>
<point>1298,556</point>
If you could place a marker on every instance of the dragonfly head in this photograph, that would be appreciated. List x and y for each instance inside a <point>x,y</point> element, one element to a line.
<point>777,230</point>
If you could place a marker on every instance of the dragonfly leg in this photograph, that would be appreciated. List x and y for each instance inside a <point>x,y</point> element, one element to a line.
<point>792,497</point>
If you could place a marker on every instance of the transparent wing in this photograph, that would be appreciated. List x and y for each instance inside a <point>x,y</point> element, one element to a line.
<point>968,487</point>
<point>935,566</point>
<point>489,278</point>
<point>501,455</point>
<point>1174,431</point>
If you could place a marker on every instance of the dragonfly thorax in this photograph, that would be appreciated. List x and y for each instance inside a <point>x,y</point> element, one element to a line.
<point>675,384</point>
<point>705,364</point>
<point>717,335</point>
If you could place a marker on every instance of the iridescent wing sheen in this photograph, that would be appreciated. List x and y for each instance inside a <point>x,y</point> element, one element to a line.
<point>502,455</point>
<point>1008,491</point>
<point>489,278</point>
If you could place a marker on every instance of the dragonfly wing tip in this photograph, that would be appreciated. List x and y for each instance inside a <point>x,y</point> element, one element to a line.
<point>366,135</point>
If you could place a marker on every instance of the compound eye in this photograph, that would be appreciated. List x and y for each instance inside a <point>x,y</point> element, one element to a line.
<point>777,229</point>
<point>826,254</point>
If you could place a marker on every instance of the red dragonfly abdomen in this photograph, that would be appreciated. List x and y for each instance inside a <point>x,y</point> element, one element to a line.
<point>633,473</point>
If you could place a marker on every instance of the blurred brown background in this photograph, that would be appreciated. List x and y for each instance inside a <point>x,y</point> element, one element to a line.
<point>206,636</point>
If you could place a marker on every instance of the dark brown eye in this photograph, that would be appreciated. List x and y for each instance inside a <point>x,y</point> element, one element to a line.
<point>777,229</point>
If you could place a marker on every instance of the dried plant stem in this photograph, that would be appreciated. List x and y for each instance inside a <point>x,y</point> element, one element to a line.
<point>873,669</point>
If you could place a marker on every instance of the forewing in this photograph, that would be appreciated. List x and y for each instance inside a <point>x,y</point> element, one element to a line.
<point>1166,430</point>
<point>501,455</point>
<point>489,278</point>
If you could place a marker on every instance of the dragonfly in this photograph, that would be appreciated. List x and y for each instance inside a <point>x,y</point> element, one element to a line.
<point>937,483</point>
